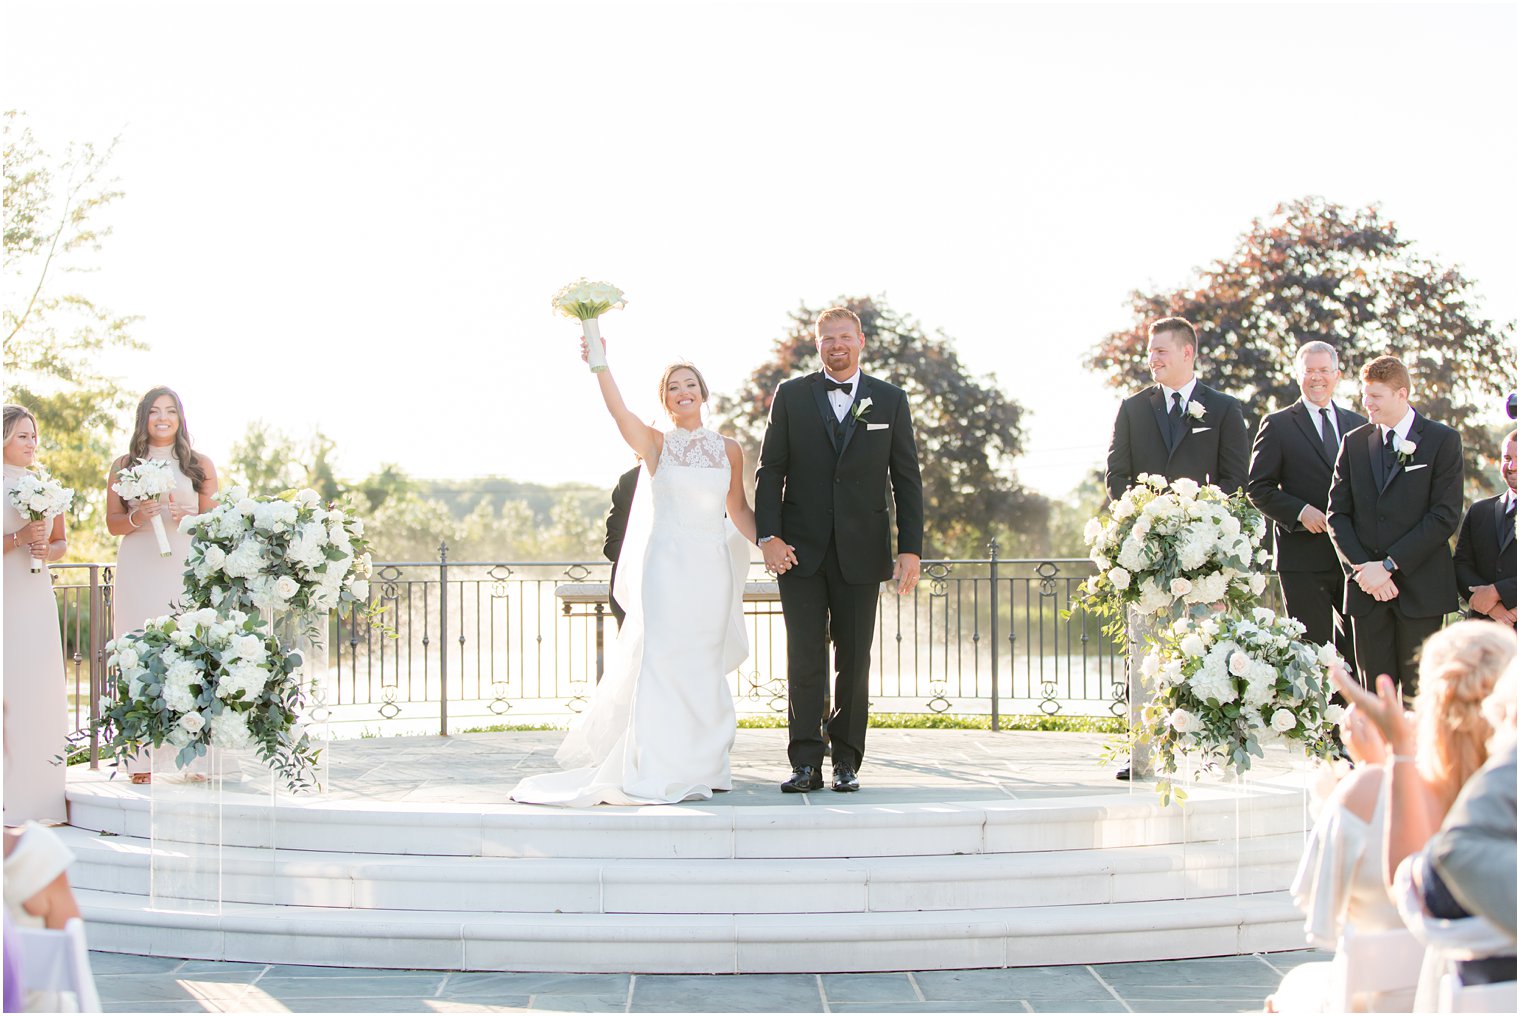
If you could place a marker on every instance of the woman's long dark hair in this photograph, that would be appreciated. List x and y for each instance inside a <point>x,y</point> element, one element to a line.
<point>189,464</point>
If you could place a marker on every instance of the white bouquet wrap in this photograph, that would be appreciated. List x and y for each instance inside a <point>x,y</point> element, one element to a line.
<point>587,301</point>
<point>150,478</point>
<point>37,495</point>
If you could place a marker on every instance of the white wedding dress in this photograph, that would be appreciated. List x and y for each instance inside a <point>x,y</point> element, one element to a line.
<point>660,724</point>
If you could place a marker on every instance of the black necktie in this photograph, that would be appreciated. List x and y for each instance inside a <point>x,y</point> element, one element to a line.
<point>1176,416</point>
<point>1507,520</point>
<point>830,384</point>
<point>1388,456</point>
<point>1327,434</point>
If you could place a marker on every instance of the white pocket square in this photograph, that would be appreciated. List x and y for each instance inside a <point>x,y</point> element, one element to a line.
<point>1410,469</point>
<point>877,426</point>
<point>1200,430</point>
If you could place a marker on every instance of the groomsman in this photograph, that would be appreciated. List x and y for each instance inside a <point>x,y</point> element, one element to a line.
<point>1291,466</point>
<point>1485,557</point>
<point>1178,427</point>
<point>617,527</point>
<point>1395,501</point>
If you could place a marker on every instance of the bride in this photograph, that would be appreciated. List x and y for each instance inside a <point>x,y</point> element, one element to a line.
<point>661,722</point>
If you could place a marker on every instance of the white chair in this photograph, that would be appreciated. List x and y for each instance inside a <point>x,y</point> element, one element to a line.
<point>1375,971</point>
<point>57,962</point>
<point>1455,997</point>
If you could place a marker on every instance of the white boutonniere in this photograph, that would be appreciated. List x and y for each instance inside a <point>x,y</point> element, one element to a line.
<point>1195,410</point>
<point>1406,449</point>
<point>862,408</point>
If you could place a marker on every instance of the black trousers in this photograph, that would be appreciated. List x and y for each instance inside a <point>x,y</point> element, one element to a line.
<point>821,608</point>
<point>1387,643</point>
<point>1315,598</point>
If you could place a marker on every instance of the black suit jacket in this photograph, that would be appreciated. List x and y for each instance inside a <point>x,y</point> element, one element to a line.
<point>1409,514</point>
<point>1290,468</point>
<point>1482,558</point>
<point>814,484</point>
<point>1210,450</point>
<point>617,526</point>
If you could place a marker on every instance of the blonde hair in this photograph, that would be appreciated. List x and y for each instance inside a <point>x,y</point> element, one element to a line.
<point>1459,666</point>
<point>665,380</point>
<point>13,416</point>
<point>838,314</point>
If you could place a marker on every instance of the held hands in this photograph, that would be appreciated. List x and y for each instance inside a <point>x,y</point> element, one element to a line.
<point>1313,519</point>
<point>1483,599</point>
<point>1384,708</point>
<point>780,556</point>
<point>905,573</point>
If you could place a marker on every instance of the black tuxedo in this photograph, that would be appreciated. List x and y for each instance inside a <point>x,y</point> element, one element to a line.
<point>1210,450</point>
<point>1485,553</point>
<point>1407,512</point>
<point>617,526</point>
<point>822,486</point>
<point>1291,467</point>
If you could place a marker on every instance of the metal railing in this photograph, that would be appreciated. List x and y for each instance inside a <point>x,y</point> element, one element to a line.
<point>478,642</point>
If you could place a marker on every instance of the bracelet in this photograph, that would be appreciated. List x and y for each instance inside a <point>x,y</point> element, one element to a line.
<point>1404,758</point>
<point>134,525</point>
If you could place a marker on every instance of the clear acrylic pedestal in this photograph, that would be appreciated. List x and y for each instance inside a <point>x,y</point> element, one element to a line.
<point>212,833</point>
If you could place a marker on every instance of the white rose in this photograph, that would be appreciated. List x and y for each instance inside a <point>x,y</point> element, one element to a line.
<point>1334,714</point>
<point>1181,586</point>
<point>1186,487</point>
<point>1151,665</point>
<point>360,589</point>
<point>1124,509</point>
<point>1092,530</point>
<point>308,498</point>
<point>1263,616</point>
<point>1406,446</point>
<point>183,639</point>
<point>286,587</point>
<point>1261,556</point>
<point>1283,721</point>
<point>1258,584</point>
<point>1240,664</point>
<point>247,507</point>
<point>1192,645</point>
<point>1119,577</point>
<point>193,722</point>
<point>214,557</point>
<point>1184,722</point>
<point>1327,655</point>
<point>1230,527</point>
<point>128,658</point>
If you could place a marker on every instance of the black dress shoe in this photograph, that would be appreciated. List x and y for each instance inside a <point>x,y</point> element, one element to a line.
<point>804,778</point>
<point>1123,774</point>
<point>845,781</point>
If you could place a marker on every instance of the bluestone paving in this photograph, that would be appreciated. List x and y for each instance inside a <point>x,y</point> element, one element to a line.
<point>1015,982</point>
<point>537,984</point>
<point>845,988</point>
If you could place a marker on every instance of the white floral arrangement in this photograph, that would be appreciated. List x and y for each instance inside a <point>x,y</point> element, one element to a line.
<point>1222,684</point>
<point>586,301</point>
<point>207,679</point>
<point>149,479</point>
<point>37,495</point>
<point>1164,544</point>
<point>289,552</point>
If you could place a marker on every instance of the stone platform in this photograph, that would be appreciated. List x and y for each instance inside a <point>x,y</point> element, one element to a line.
<point>965,849</point>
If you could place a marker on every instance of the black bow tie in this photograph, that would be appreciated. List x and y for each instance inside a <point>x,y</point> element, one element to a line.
<point>829,384</point>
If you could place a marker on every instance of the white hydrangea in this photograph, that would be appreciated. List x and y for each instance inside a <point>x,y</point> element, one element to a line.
<point>1192,645</point>
<point>1212,683</point>
<point>246,560</point>
<point>245,677</point>
<point>1132,555</point>
<point>1153,597</point>
<point>269,516</point>
<point>230,730</point>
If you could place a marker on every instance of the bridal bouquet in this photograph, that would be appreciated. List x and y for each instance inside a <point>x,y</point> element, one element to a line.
<point>1163,544</point>
<point>207,679</point>
<point>1224,683</point>
<point>289,552</point>
<point>587,301</point>
<point>37,495</point>
<point>150,478</point>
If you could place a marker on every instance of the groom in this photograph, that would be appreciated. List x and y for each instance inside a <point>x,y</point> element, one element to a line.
<point>833,441</point>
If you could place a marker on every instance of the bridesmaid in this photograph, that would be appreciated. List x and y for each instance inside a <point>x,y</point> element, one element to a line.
<point>36,708</point>
<point>146,584</point>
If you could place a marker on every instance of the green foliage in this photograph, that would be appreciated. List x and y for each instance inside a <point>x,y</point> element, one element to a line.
<point>55,332</point>
<point>1317,270</point>
<point>969,432</point>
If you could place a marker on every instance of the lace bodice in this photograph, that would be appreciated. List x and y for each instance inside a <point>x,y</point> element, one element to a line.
<point>699,449</point>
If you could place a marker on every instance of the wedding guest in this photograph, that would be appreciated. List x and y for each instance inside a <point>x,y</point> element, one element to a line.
<point>36,709</point>
<point>146,583</point>
<point>1291,466</point>
<point>37,895</point>
<point>1178,427</point>
<point>617,525</point>
<point>1395,501</point>
<point>1485,554</point>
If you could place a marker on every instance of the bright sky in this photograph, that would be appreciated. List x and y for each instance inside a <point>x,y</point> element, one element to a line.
<point>352,215</point>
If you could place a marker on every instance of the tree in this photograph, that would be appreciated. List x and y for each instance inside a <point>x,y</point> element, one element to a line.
<point>54,331</point>
<point>1316,270</point>
<point>264,461</point>
<point>969,432</point>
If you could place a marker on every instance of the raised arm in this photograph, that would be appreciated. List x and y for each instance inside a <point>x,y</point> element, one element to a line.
<point>641,437</point>
<point>739,511</point>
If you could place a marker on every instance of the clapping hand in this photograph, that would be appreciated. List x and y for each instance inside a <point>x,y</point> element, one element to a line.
<point>1384,708</point>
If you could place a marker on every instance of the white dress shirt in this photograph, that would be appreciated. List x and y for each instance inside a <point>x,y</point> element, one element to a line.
<point>1319,421</point>
<point>1186,391</point>
<point>840,399</point>
<point>1401,428</point>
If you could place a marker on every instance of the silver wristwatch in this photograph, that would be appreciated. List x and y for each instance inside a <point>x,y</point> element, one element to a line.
<point>764,540</point>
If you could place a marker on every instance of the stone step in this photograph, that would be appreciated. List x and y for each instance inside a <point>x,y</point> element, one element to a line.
<point>677,943</point>
<point>368,881</point>
<point>709,830</point>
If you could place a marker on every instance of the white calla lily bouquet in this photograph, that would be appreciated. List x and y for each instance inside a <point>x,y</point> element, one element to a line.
<point>36,496</point>
<point>150,478</point>
<point>289,552</point>
<point>1164,544</point>
<point>586,301</point>
<point>207,679</point>
<point>1224,684</point>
